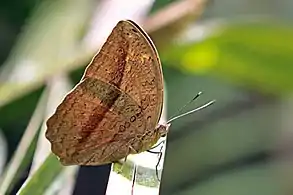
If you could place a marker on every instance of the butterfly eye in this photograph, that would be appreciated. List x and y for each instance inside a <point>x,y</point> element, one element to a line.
<point>162,130</point>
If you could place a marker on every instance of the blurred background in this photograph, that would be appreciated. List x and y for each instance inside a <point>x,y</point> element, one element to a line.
<point>238,52</point>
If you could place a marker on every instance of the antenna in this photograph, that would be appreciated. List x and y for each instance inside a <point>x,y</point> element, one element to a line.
<point>194,98</point>
<point>192,111</point>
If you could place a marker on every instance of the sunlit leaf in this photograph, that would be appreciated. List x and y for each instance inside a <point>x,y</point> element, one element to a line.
<point>254,55</point>
<point>43,177</point>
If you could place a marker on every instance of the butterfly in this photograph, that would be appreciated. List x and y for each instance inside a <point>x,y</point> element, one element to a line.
<point>115,109</point>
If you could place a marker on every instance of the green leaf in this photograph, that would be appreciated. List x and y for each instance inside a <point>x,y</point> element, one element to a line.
<point>25,150</point>
<point>48,43</point>
<point>43,177</point>
<point>254,55</point>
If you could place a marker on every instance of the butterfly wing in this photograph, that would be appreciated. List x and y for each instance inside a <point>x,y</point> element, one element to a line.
<point>119,98</point>
<point>85,127</point>
<point>137,69</point>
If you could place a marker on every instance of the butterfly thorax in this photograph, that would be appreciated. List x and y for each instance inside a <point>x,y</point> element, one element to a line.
<point>152,137</point>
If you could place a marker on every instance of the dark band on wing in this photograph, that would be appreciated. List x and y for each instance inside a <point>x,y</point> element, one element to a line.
<point>107,93</point>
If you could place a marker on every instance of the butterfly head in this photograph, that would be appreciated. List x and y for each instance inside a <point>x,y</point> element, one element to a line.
<point>162,130</point>
<point>153,136</point>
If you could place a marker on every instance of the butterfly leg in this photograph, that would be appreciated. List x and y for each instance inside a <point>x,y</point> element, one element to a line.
<point>130,148</point>
<point>133,150</point>
<point>161,142</point>
<point>122,166</point>
<point>160,153</point>
<point>157,165</point>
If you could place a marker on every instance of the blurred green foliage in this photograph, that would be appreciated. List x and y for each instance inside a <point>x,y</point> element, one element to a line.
<point>254,55</point>
<point>245,65</point>
<point>38,184</point>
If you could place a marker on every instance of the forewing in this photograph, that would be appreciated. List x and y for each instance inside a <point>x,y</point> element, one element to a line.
<point>118,101</point>
<point>129,61</point>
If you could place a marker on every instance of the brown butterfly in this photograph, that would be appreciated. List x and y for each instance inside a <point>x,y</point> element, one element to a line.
<point>115,109</point>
